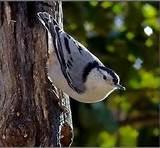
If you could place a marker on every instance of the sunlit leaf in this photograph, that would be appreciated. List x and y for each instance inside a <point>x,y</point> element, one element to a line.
<point>130,35</point>
<point>106,140</point>
<point>128,136</point>
<point>146,80</point>
<point>106,4</point>
<point>73,26</point>
<point>114,32</point>
<point>156,131</point>
<point>93,3</point>
<point>110,48</point>
<point>88,26</point>
<point>149,11</point>
<point>149,80</point>
<point>131,57</point>
<point>149,42</point>
<point>117,8</point>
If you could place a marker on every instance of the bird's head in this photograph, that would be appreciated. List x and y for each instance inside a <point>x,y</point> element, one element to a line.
<point>110,78</point>
<point>103,80</point>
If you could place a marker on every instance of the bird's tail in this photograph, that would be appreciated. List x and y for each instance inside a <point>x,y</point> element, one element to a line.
<point>47,20</point>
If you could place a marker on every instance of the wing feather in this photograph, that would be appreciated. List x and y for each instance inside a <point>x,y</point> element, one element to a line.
<point>67,50</point>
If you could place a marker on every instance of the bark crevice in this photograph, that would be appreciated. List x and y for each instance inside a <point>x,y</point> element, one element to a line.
<point>31,114</point>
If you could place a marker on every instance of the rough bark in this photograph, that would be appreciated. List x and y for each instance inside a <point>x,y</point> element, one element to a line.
<point>32,111</point>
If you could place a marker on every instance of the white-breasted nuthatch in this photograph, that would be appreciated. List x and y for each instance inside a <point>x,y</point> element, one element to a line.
<point>73,69</point>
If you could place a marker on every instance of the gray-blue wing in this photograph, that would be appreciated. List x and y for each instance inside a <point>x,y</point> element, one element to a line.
<point>73,57</point>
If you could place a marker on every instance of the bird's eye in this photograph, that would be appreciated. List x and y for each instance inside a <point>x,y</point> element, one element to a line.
<point>104,77</point>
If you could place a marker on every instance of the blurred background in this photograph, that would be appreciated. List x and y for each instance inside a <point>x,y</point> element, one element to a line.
<point>125,36</point>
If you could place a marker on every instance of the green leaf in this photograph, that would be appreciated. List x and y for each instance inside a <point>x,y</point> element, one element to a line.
<point>149,42</point>
<point>130,35</point>
<point>106,4</point>
<point>128,136</point>
<point>106,140</point>
<point>117,8</point>
<point>145,79</point>
<point>149,11</point>
<point>93,3</point>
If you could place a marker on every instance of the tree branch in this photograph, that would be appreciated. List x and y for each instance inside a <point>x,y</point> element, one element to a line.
<point>30,114</point>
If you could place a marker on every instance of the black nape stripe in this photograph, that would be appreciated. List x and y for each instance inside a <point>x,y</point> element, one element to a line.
<point>111,72</point>
<point>88,68</point>
<point>67,45</point>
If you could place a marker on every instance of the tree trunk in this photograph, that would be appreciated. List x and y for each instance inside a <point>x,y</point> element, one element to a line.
<point>32,111</point>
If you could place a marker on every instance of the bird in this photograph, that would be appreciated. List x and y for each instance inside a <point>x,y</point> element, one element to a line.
<point>72,68</point>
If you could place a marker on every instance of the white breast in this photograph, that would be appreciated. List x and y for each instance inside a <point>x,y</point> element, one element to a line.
<point>93,93</point>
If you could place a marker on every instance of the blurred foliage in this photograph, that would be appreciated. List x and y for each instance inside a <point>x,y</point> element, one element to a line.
<point>124,35</point>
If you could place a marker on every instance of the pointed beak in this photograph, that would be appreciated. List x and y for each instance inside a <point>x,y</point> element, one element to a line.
<point>120,87</point>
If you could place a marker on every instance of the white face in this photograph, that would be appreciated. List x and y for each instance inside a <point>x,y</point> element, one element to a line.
<point>111,80</point>
<point>99,84</point>
<point>101,79</point>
